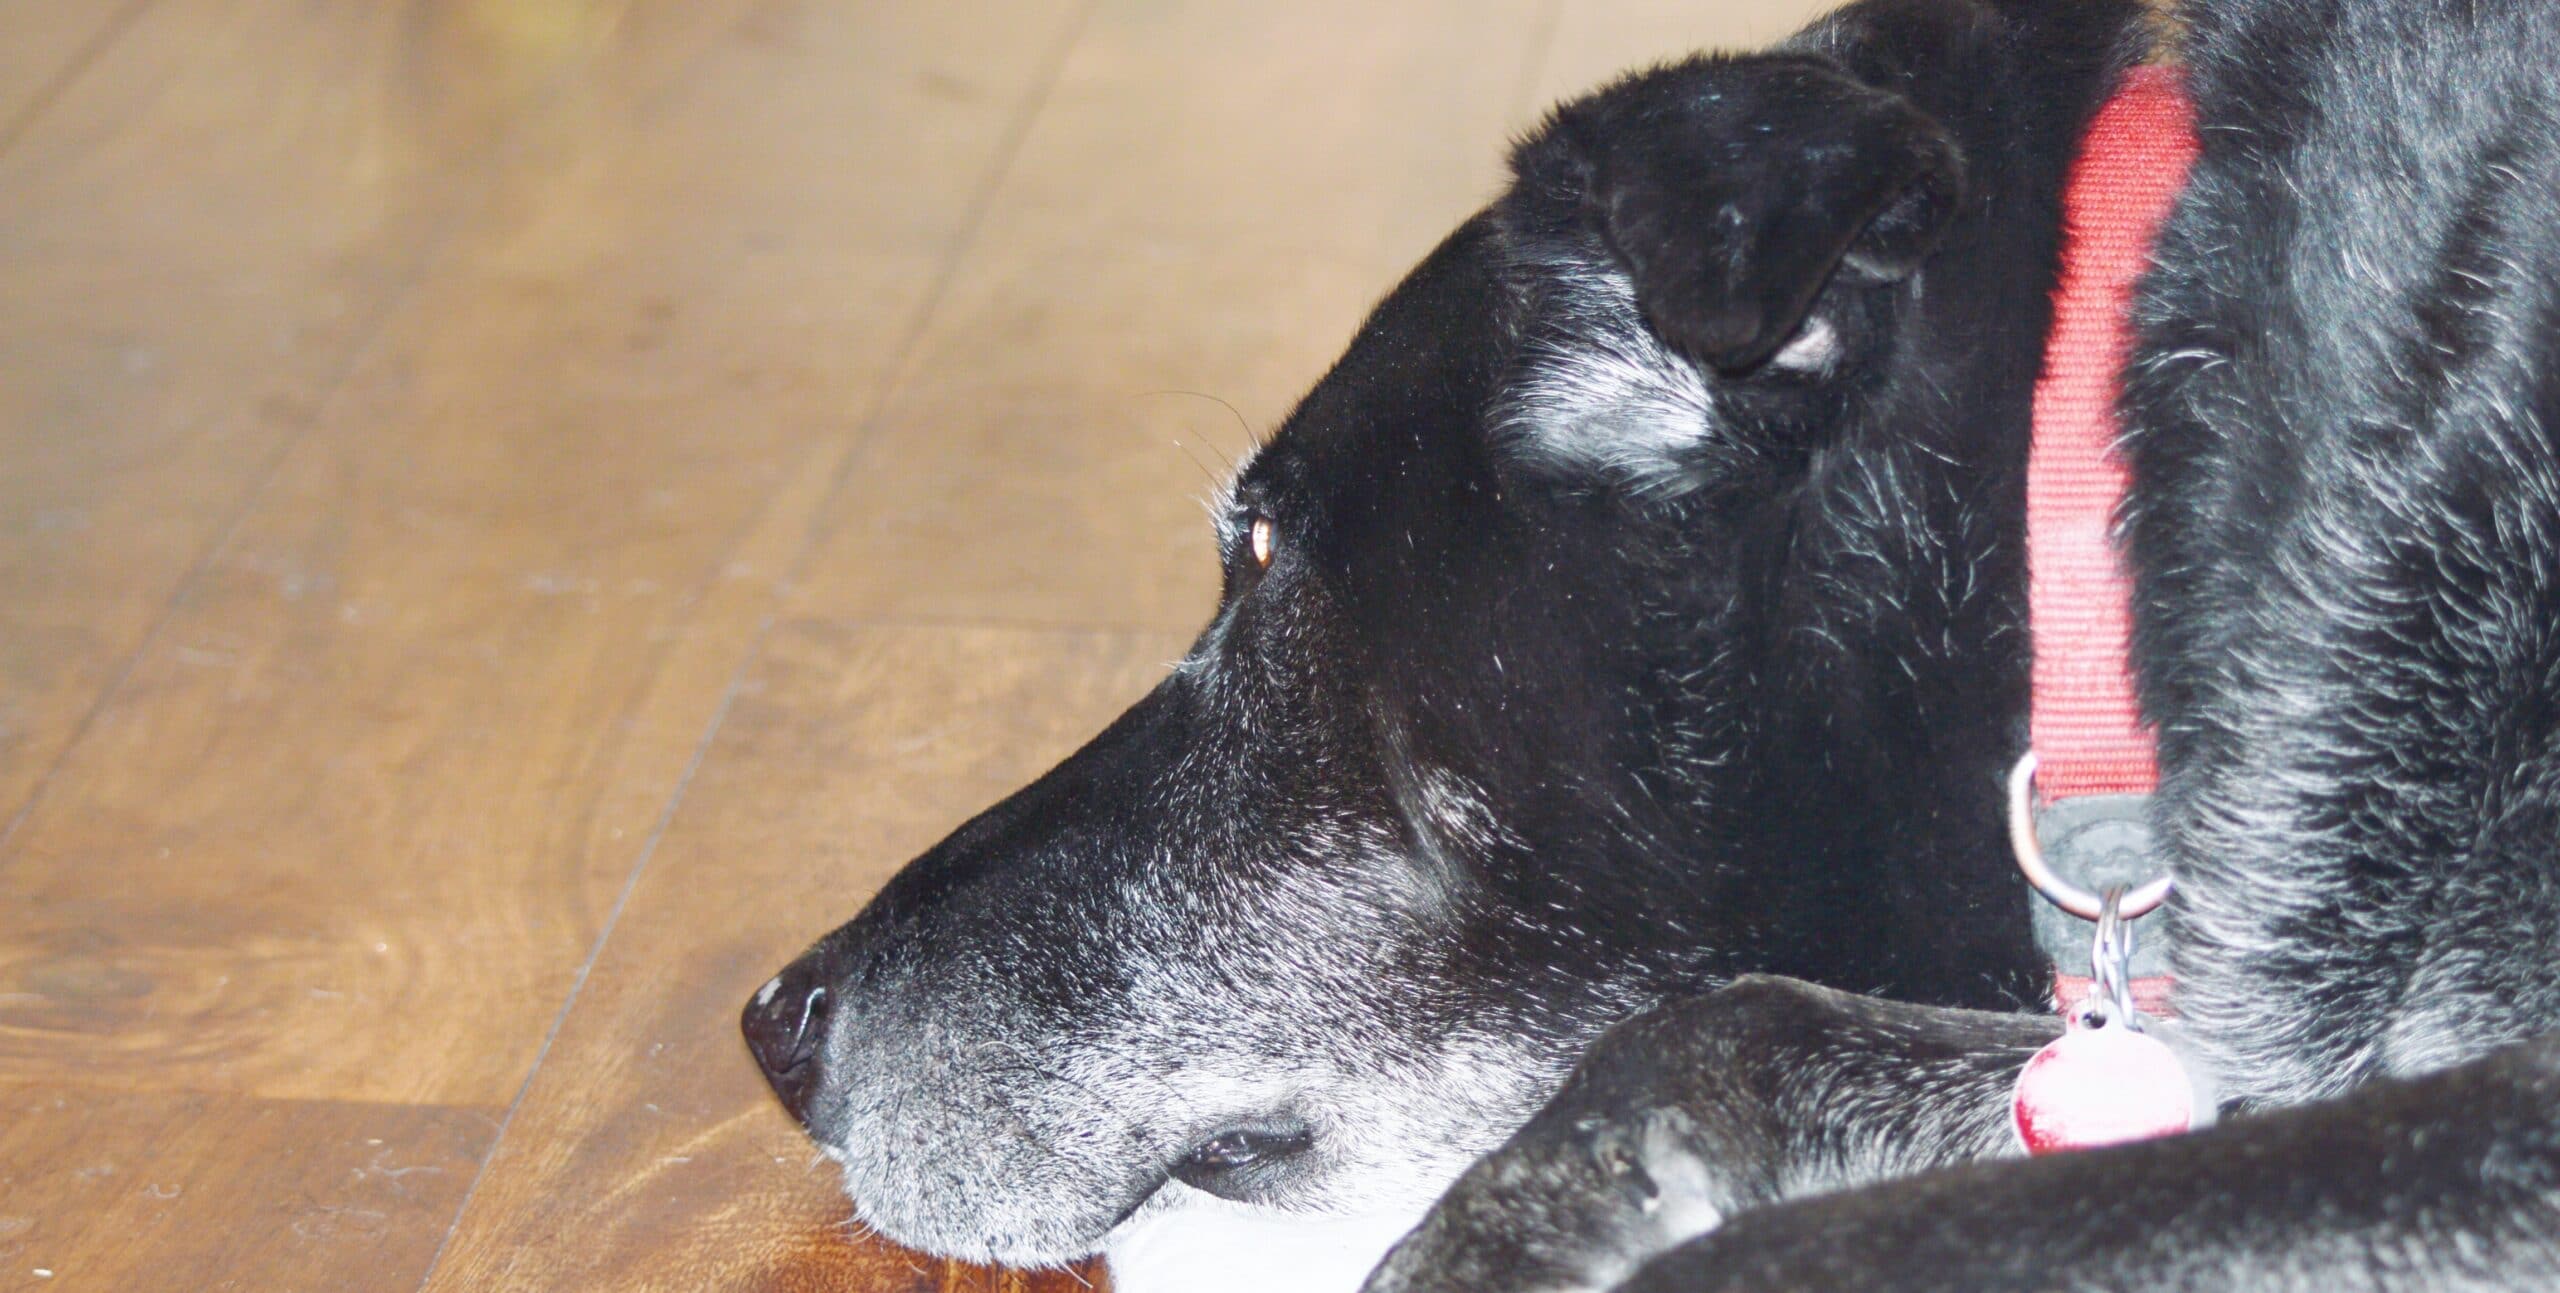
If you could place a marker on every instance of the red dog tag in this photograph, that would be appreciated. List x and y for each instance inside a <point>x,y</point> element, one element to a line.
<point>2101,1083</point>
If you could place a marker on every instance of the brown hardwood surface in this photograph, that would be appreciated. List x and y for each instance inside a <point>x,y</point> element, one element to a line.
<point>516,514</point>
<point>49,44</point>
<point>196,233</point>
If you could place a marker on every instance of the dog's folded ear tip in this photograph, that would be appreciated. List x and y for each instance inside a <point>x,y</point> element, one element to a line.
<point>1729,334</point>
<point>1733,192</point>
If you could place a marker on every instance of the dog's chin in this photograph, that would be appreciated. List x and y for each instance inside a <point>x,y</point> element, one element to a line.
<point>1184,1241</point>
<point>1024,1229</point>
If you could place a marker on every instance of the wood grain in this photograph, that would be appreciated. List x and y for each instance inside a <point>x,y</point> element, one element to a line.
<point>49,44</point>
<point>1267,182</point>
<point>372,787</point>
<point>396,752</point>
<point>194,238</point>
<point>648,1132</point>
<point>1004,485</point>
<point>109,1191</point>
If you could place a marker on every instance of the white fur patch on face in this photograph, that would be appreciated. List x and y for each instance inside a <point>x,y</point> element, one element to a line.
<point>1813,349</point>
<point>1202,1243</point>
<point>1597,388</point>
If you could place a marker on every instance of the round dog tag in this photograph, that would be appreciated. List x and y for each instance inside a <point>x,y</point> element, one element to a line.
<point>2101,1083</point>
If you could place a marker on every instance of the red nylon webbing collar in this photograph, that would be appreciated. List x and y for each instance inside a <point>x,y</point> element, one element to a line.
<point>2083,727</point>
<point>2085,730</point>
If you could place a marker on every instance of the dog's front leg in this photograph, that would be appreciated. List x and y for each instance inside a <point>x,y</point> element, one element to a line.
<point>2445,1183</point>
<point>1695,1110</point>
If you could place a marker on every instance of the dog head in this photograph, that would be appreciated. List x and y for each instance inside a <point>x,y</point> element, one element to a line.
<point>1628,593</point>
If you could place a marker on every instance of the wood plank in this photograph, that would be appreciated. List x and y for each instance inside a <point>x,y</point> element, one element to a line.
<point>48,43</point>
<point>1211,202</point>
<point>397,752</point>
<point>1596,41</point>
<point>648,1134</point>
<point>393,756</point>
<point>153,1192</point>
<point>194,238</point>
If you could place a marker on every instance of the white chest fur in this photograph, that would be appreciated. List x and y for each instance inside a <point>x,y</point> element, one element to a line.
<point>1214,1247</point>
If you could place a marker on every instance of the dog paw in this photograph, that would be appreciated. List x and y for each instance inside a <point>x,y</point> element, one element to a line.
<point>1573,1203</point>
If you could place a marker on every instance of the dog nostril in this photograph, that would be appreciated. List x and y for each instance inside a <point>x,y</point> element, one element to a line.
<point>785,1023</point>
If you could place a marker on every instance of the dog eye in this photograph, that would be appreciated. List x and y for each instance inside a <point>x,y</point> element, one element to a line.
<point>1265,537</point>
<point>1240,1164</point>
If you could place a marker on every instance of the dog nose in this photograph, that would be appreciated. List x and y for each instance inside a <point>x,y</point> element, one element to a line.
<point>785,1022</point>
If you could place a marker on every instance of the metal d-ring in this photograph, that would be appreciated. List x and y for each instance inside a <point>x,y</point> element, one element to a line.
<point>2056,890</point>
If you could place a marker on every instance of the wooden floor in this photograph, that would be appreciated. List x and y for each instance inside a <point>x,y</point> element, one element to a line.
<point>517,514</point>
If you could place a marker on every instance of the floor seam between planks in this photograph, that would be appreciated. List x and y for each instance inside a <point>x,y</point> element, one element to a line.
<point>480,174</point>
<point>69,74</point>
<point>1000,165</point>
<point>595,950</point>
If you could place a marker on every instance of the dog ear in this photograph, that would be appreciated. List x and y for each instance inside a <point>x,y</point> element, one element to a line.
<point>1733,189</point>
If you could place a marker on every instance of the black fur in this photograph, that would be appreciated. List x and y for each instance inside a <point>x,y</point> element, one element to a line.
<point>2346,524</point>
<point>2443,1184</point>
<point>1513,738</point>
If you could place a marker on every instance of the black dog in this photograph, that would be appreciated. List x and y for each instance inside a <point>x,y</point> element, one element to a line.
<point>2344,527</point>
<point>1639,603</point>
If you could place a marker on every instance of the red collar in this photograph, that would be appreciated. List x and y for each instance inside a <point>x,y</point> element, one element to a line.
<point>2083,724</point>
